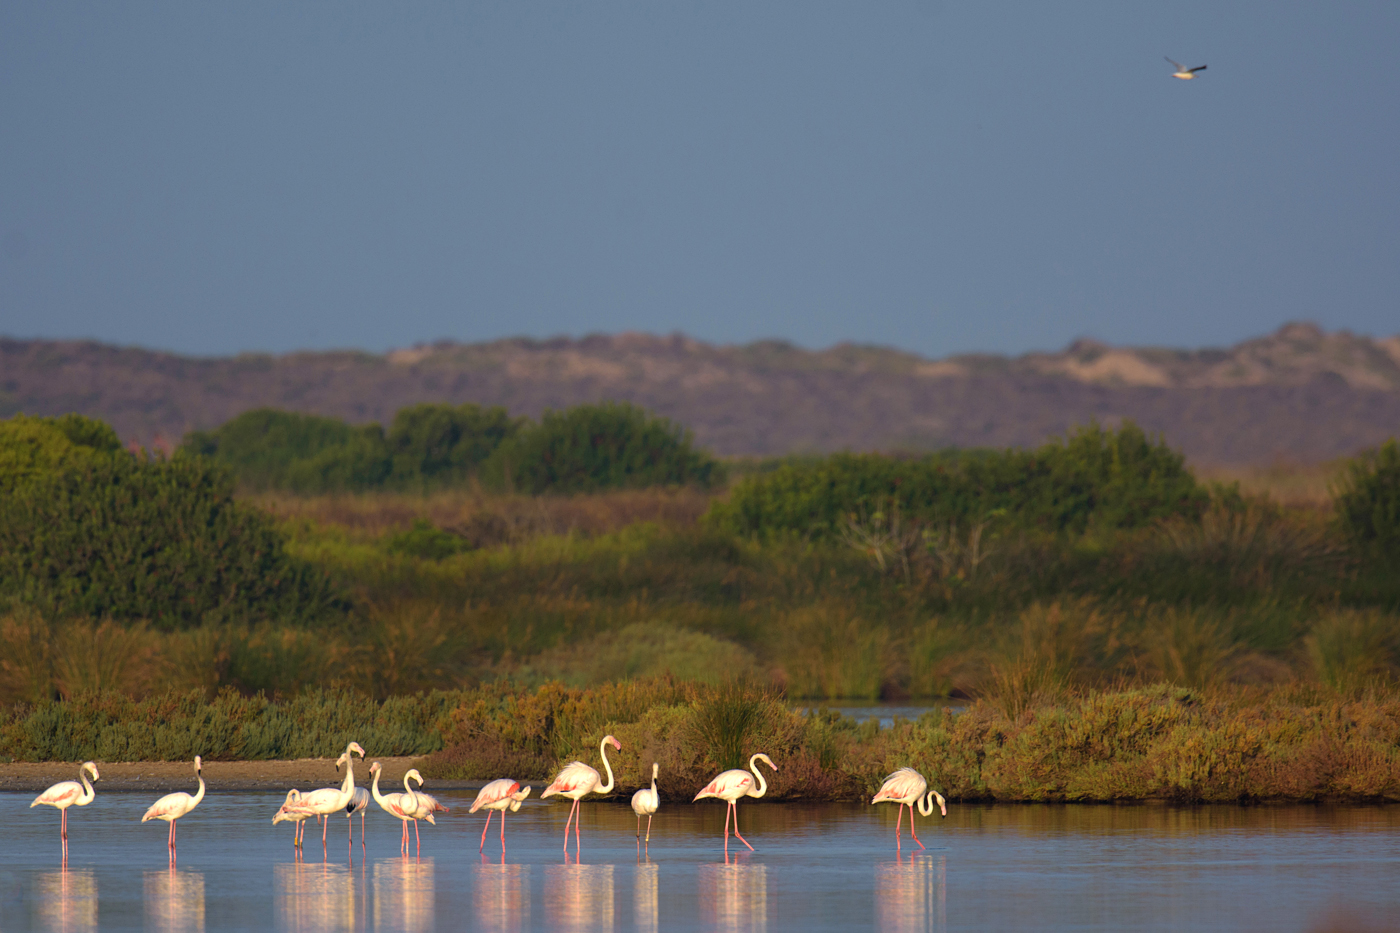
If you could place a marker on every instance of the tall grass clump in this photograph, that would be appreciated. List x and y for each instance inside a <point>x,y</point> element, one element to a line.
<point>1352,649</point>
<point>1367,502</point>
<point>725,719</point>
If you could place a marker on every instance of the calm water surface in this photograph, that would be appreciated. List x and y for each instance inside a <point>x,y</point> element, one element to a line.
<point>818,867</point>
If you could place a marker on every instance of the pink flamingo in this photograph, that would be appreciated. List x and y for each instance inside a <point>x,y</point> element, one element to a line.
<point>65,794</point>
<point>173,806</point>
<point>328,800</point>
<point>904,787</point>
<point>501,795</point>
<point>290,811</point>
<point>731,785</point>
<point>577,779</point>
<point>406,806</point>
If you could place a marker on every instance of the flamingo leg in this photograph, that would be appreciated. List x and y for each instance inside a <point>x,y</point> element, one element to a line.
<point>503,832</point>
<point>572,810</point>
<point>726,828</point>
<point>488,826</point>
<point>362,828</point>
<point>735,805</point>
<point>648,829</point>
<point>911,826</point>
<point>898,820</point>
<point>417,837</point>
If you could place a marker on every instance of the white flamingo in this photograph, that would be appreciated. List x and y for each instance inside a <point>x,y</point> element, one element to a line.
<point>905,787</point>
<point>1184,73</point>
<point>731,785</point>
<point>577,779</point>
<point>500,795</point>
<point>359,803</point>
<point>328,800</point>
<point>406,806</point>
<point>66,794</point>
<point>291,811</point>
<point>645,803</point>
<point>173,806</point>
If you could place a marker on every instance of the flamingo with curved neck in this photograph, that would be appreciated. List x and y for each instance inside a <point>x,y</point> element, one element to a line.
<point>905,787</point>
<point>577,779</point>
<point>328,800</point>
<point>173,806</point>
<point>731,785</point>
<point>67,794</point>
<point>405,806</point>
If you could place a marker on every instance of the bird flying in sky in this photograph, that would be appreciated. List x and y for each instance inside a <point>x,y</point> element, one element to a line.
<point>1184,73</point>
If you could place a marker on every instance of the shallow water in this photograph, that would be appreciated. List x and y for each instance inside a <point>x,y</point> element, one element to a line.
<point>817,867</point>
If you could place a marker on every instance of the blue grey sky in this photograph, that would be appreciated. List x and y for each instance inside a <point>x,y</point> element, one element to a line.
<point>940,177</point>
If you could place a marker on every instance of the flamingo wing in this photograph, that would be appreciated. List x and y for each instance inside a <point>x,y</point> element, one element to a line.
<point>494,792</point>
<point>904,785</point>
<point>61,795</point>
<point>358,801</point>
<point>575,778</point>
<point>170,807</point>
<point>734,784</point>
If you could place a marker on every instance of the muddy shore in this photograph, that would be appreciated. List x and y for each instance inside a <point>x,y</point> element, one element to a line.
<point>304,773</point>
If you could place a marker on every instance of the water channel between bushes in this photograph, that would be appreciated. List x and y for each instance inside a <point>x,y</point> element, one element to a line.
<point>817,867</point>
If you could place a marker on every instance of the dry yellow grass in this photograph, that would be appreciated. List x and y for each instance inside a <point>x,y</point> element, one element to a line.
<point>1302,486</point>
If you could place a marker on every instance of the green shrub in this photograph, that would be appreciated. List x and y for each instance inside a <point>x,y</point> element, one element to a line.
<point>437,445</point>
<point>424,540</point>
<point>606,446</point>
<point>1095,478</point>
<point>32,448</point>
<point>263,446</point>
<point>1367,500</point>
<point>130,538</point>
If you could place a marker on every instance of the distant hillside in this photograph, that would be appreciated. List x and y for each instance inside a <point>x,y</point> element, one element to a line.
<point>1299,394</point>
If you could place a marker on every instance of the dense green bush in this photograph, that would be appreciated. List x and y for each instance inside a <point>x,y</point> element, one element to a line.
<point>31,448</point>
<point>1099,478</point>
<point>111,534</point>
<point>434,445</point>
<point>607,446</point>
<point>262,446</point>
<point>1367,501</point>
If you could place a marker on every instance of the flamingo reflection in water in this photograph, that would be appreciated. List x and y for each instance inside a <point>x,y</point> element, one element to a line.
<point>731,785</point>
<point>578,897</point>
<point>905,787</point>
<point>322,897</point>
<point>734,897</point>
<point>501,898</point>
<point>67,794</point>
<point>911,894</point>
<point>174,901</point>
<point>499,796</point>
<point>646,898</point>
<point>66,900</point>
<point>577,779</point>
<point>404,895</point>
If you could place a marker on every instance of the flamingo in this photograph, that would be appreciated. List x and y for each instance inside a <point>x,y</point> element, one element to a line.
<point>645,802</point>
<point>501,795</point>
<point>577,779</point>
<point>406,806</point>
<point>731,785</point>
<point>328,800</point>
<point>173,806</point>
<point>1185,74</point>
<point>291,811</point>
<point>359,803</point>
<point>65,794</point>
<point>904,787</point>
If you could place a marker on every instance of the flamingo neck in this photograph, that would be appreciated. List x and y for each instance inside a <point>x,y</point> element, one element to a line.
<point>603,751</point>
<point>347,787</point>
<point>762,784</point>
<point>374,791</point>
<point>926,804</point>
<point>412,802</point>
<point>88,793</point>
<point>653,781</point>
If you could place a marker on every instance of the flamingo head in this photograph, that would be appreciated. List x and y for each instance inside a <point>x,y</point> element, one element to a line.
<point>413,775</point>
<point>766,760</point>
<point>655,770</point>
<point>354,747</point>
<point>942,804</point>
<point>516,797</point>
<point>90,767</point>
<point>375,768</point>
<point>198,764</point>
<point>612,740</point>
